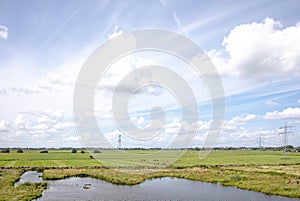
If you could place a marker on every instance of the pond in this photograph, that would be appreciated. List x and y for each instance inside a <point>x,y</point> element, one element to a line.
<point>76,188</point>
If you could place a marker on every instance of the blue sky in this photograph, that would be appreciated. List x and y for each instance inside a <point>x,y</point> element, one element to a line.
<point>255,46</point>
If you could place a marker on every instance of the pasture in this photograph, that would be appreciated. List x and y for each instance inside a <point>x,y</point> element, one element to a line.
<point>149,158</point>
<point>263,171</point>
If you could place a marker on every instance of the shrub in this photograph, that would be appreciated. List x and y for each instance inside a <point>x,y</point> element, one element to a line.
<point>236,178</point>
<point>74,151</point>
<point>19,150</point>
<point>44,151</point>
<point>5,150</point>
<point>96,151</point>
<point>82,152</point>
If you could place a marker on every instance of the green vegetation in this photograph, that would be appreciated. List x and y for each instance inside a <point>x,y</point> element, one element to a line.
<point>270,182</point>
<point>5,150</point>
<point>65,158</point>
<point>25,191</point>
<point>54,158</point>
<point>238,157</point>
<point>19,150</point>
<point>263,171</point>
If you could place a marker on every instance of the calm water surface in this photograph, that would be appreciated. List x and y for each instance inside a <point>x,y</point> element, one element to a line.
<point>157,189</point>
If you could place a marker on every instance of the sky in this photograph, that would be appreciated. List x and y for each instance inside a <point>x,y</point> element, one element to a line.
<point>254,45</point>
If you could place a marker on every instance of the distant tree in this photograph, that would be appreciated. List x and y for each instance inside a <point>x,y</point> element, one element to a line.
<point>19,150</point>
<point>5,150</point>
<point>82,152</point>
<point>44,151</point>
<point>96,151</point>
<point>74,151</point>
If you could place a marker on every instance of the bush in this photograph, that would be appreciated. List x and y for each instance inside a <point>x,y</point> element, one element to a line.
<point>74,151</point>
<point>97,151</point>
<point>82,152</point>
<point>44,151</point>
<point>5,150</point>
<point>19,150</point>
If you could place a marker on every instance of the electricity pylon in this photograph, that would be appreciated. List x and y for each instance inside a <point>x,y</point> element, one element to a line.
<point>286,131</point>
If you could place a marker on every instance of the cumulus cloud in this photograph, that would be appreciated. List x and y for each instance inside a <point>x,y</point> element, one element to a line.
<point>260,51</point>
<point>3,32</point>
<point>39,128</point>
<point>288,113</point>
<point>237,121</point>
<point>241,119</point>
<point>4,126</point>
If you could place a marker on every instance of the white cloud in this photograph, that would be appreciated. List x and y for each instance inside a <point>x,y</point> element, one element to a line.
<point>179,25</point>
<point>140,120</point>
<point>24,91</point>
<point>3,32</point>
<point>236,122</point>
<point>116,32</point>
<point>73,138</point>
<point>37,129</point>
<point>299,101</point>
<point>3,91</point>
<point>271,102</point>
<point>54,81</point>
<point>243,118</point>
<point>4,126</point>
<point>260,51</point>
<point>288,113</point>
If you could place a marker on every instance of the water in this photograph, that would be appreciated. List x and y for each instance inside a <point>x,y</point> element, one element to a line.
<point>157,189</point>
<point>30,176</point>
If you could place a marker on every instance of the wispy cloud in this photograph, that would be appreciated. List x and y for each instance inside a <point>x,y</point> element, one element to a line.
<point>271,102</point>
<point>24,91</point>
<point>115,33</point>
<point>181,28</point>
<point>3,32</point>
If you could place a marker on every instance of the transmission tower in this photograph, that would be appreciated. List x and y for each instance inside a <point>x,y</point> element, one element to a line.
<point>119,142</point>
<point>286,131</point>
<point>259,142</point>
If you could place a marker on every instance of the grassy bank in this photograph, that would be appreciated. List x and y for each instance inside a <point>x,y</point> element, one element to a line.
<point>270,182</point>
<point>26,191</point>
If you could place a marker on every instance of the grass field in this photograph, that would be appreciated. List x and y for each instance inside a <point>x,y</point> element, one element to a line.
<point>52,159</point>
<point>114,158</point>
<point>263,171</point>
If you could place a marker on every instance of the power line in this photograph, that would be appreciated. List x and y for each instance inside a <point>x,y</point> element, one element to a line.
<point>286,131</point>
<point>119,142</point>
<point>259,142</point>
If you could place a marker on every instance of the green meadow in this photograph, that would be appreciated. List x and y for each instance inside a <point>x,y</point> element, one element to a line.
<point>117,158</point>
<point>265,171</point>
